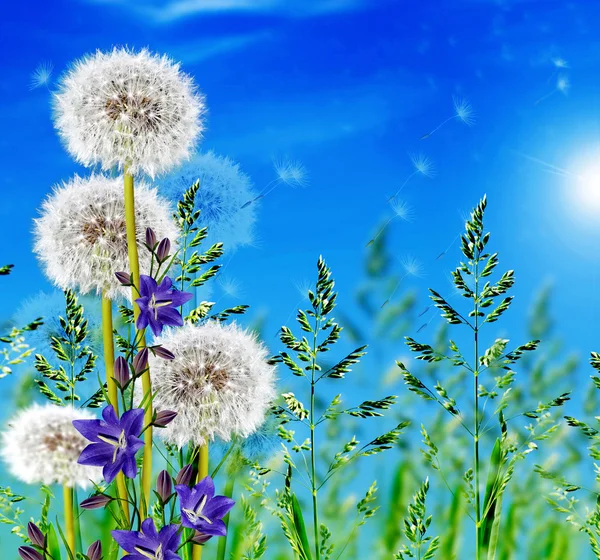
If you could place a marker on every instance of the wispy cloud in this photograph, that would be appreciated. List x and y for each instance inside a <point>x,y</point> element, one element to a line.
<point>161,12</point>
<point>193,52</point>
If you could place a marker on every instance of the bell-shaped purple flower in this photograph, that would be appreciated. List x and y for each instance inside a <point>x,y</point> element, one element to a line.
<point>121,371</point>
<point>95,502</point>
<point>158,304</point>
<point>29,553</point>
<point>150,239</point>
<point>163,418</point>
<point>164,486</point>
<point>184,476</point>
<point>163,250</point>
<point>35,535</point>
<point>148,543</point>
<point>114,440</point>
<point>202,510</point>
<point>94,552</point>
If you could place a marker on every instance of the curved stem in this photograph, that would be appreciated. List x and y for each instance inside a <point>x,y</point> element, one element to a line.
<point>69,518</point>
<point>202,473</point>
<point>134,264</point>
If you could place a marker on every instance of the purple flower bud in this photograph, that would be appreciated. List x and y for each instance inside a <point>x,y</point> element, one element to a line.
<point>164,247</point>
<point>121,371</point>
<point>29,553</point>
<point>94,552</point>
<point>124,278</point>
<point>184,476</point>
<point>163,418</point>
<point>162,352</point>
<point>201,538</point>
<point>164,486</point>
<point>150,239</point>
<point>95,502</point>
<point>35,535</point>
<point>140,362</point>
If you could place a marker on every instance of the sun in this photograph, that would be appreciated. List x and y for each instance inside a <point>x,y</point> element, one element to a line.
<point>586,190</point>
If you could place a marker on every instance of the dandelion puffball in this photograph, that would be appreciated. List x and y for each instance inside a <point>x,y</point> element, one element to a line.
<point>81,235</point>
<point>41,446</point>
<point>126,108</point>
<point>219,383</point>
<point>224,189</point>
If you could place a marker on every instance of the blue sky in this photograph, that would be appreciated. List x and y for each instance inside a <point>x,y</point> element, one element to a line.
<point>348,87</point>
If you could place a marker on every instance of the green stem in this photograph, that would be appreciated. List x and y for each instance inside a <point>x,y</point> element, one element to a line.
<point>229,486</point>
<point>202,473</point>
<point>312,442</point>
<point>129,198</point>
<point>69,518</point>
<point>476,430</point>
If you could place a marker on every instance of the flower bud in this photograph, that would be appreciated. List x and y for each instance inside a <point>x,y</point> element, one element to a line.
<point>35,535</point>
<point>140,362</point>
<point>162,352</point>
<point>164,486</point>
<point>200,538</point>
<point>124,278</point>
<point>95,502</point>
<point>163,418</point>
<point>94,552</point>
<point>164,247</point>
<point>121,371</point>
<point>184,476</point>
<point>150,239</point>
<point>29,553</point>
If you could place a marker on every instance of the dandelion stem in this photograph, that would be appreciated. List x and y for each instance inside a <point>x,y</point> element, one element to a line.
<point>134,264</point>
<point>69,518</point>
<point>113,396</point>
<point>229,486</point>
<point>202,473</point>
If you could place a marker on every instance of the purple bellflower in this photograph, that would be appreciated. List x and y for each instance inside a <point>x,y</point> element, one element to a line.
<point>148,544</point>
<point>114,440</point>
<point>158,304</point>
<point>202,510</point>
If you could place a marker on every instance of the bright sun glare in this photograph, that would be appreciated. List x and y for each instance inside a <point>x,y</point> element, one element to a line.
<point>587,190</point>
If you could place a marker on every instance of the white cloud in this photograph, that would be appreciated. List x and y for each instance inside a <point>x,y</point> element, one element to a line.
<point>161,12</point>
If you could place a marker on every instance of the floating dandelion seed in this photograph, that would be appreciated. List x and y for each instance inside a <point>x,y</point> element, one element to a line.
<point>41,75</point>
<point>302,287</point>
<point>401,210</point>
<point>559,65</point>
<point>126,108</point>
<point>230,287</point>
<point>422,165</point>
<point>288,172</point>
<point>81,238</point>
<point>40,445</point>
<point>562,86</point>
<point>462,111</point>
<point>219,383</point>
<point>224,187</point>
<point>412,267</point>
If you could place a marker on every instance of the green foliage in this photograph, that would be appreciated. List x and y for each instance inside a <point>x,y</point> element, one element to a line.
<point>416,524</point>
<point>303,358</point>
<point>488,303</point>
<point>76,358</point>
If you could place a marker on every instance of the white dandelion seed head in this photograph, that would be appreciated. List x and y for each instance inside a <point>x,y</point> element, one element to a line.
<point>563,84</point>
<point>41,446</point>
<point>127,108</point>
<point>81,237</point>
<point>224,189</point>
<point>464,110</point>
<point>41,75</point>
<point>423,165</point>
<point>412,266</point>
<point>219,383</point>
<point>291,172</point>
<point>560,62</point>
<point>402,209</point>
